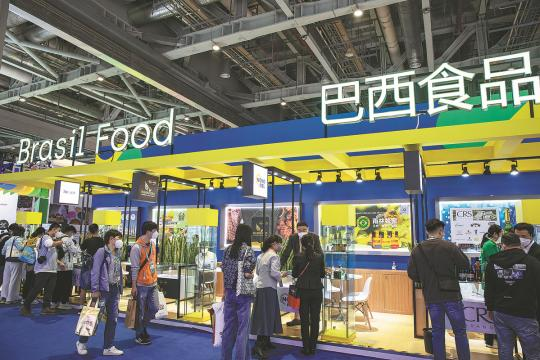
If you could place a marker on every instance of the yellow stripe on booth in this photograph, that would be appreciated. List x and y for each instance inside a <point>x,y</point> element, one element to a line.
<point>29,217</point>
<point>107,217</point>
<point>201,217</point>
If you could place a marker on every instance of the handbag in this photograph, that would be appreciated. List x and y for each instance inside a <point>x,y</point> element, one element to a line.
<point>89,319</point>
<point>28,255</point>
<point>451,285</point>
<point>244,286</point>
<point>293,300</point>
<point>131,314</point>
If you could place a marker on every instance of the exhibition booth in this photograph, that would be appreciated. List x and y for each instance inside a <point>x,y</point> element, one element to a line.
<point>349,183</point>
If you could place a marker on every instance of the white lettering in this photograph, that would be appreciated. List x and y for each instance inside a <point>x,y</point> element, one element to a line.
<point>72,145</point>
<point>23,149</point>
<point>147,134</point>
<point>60,145</point>
<point>81,141</point>
<point>100,138</point>
<point>170,127</point>
<point>119,146</point>
<point>34,146</point>
<point>48,144</point>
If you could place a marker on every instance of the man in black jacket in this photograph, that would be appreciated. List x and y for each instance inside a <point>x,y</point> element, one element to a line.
<point>526,236</point>
<point>435,263</point>
<point>294,246</point>
<point>511,293</point>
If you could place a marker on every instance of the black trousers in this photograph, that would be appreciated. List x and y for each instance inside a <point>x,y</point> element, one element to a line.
<point>310,315</point>
<point>45,281</point>
<point>28,283</point>
<point>64,287</point>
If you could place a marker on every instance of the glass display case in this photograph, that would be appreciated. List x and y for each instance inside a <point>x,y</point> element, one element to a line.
<point>340,296</point>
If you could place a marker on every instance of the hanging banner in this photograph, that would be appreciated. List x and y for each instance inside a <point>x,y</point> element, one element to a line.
<point>144,187</point>
<point>255,181</point>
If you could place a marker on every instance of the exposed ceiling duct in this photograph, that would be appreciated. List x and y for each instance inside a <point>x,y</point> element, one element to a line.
<point>13,72</point>
<point>410,19</point>
<point>389,32</point>
<point>38,35</point>
<point>14,20</point>
<point>149,12</point>
<point>206,2</point>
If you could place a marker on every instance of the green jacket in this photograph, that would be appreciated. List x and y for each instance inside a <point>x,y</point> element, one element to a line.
<point>488,250</point>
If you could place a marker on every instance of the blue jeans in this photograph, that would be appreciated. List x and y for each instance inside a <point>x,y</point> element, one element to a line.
<point>147,307</point>
<point>112,297</point>
<point>456,315</point>
<point>508,327</point>
<point>236,330</point>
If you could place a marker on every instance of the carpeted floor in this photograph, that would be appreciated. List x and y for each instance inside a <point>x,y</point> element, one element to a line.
<point>52,337</point>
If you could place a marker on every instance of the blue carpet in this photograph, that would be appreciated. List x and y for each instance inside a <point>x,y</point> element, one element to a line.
<point>53,337</point>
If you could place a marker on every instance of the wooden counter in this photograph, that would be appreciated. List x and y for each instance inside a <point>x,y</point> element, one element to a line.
<point>391,290</point>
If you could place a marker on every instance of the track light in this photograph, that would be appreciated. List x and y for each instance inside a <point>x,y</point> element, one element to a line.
<point>239,186</point>
<point>464,171</point>
<point>487,169</point>
<point>319,179</point>
<point>514,170</point>
<point>358,12</point>
<point>215,47</point>
<point>126,192</point>
<point>338,177</point>
<point>222,185</point>
<point>358,176</point>
<point>211,187</point>
<point>378,175</point>
<point>186,118</point>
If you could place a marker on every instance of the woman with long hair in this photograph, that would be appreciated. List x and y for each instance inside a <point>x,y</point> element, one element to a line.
<point>266,316</point>
<point>308,269</point>
<point>489,248</point>
<point>30,275</point>
<point>238,265</point>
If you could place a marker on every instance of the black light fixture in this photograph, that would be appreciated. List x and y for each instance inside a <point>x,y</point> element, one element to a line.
<point>239,186</point>
<point>211,187</point>
<point>319,178</point>
<point>514,170</point>
<point>464,171</point>
<point>487,169</point>
<point>338,177</point>
<point>222,185</point>
<point>359,176</point>
<point>378,175</point>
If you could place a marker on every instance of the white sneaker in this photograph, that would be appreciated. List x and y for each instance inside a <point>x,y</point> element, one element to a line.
<point>53,305</point>
<point>112,351</point>
<point>81,348</point>
<point>65,307</point>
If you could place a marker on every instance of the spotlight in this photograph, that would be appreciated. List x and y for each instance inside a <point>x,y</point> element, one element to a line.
<point>338,177</point>
<point>215,47</point>
<point>186,118</point>
<point>514,170</point>
<point>319,179</point>
<point>378,175</point>
<point>21,99</point>
<point>465,171</point>
<point>487,169</point>
<point>100,78</point>
<point>359,176</point>
<point>358,13</point>
<point>239,186</point>
<point>222,185</point>
<point>211,187</point>
<point>126,192</point>
<point>283,102</point>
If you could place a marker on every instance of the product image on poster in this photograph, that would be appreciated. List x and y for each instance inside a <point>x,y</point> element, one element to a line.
<point>382,226</point>
<point>468,226</point>
<point>130,221</point>
<point>253,216</point>
<point>67,214</point>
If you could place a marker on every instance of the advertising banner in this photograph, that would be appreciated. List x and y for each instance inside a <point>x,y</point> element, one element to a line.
<point>468,226</point>
<point>8,207</point>
<point>255,181</point>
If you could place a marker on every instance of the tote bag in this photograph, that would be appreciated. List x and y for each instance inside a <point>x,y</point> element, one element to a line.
<point>88,320</point>
<point>244,286</point>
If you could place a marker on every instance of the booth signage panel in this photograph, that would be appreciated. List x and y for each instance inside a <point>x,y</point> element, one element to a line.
<point>66,193</point>
<point>8,207</point>
<point>255,181</point>
<point>476,318</point>
<point>144,187</point>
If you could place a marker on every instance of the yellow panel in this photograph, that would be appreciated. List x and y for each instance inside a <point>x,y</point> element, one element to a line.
<point>201,217</point>
<point>29,217</point>
<point>531,211</point>
<point>107,217</point>
<point>337,215</point>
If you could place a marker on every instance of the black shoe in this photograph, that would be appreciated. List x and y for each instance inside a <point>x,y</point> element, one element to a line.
<point>294,322</point>
<point>141,340</point>
<point>48,311</point>
<point>146,335</point>
<point>306,352</point>
<point>258,352</point>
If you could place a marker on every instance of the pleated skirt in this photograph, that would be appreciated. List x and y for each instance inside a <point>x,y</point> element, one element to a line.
<point>266,317</point>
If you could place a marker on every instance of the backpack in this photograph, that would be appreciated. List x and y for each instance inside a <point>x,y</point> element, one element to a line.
<point>87,260</point>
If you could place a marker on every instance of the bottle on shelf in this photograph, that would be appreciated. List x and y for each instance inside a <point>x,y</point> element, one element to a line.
<point>386,241</point>
<point>376,242</point>
<point>507,222</point>
<point>394,266</point>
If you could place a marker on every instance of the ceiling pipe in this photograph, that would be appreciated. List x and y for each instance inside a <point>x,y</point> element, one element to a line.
<point>389,32</point>
<point>410,20</point>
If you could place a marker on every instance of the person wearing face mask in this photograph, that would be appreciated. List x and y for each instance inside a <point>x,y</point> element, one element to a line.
<point>294,246</point>
<point>66,257</point>
<point>144,280</point>
<point>489,247</point>
<point>106,284</point>
<point>266,316</point>
<point>526,237</point>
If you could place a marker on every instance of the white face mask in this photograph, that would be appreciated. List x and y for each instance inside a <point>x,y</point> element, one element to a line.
<point>301,234</point>
<point>118,244</point>
<point>525,242</point>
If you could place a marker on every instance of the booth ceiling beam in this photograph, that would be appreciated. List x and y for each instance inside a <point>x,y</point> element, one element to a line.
<point>217,169</point>
<point>85,24</point>
<point>340,161</point>
<point>252,27</point>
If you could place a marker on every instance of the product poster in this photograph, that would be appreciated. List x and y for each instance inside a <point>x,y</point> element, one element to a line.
<point>130,220</point>
<point>8,207</point>
<point>67,214</point>
<point>383,226</point>
<point>468,226</point>
<point>253,216</point>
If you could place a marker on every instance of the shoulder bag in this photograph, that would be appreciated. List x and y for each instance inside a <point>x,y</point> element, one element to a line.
<point>293,300</point>
<point>244,286</point>
<point>451,285</point>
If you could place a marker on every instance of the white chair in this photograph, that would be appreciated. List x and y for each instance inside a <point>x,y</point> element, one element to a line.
<point>360,300</point>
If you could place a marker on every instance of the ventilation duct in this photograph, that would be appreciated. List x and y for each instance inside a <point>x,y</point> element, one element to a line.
<point>38,35</point>
<point>149,12</point>
<point>409,23</point>
<point>389,32</point>
<point>14,20</point>
<point>15,73</point>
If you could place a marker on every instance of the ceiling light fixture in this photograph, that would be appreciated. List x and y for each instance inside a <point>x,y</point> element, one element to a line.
<point>349,53</point>
<point>359,176</point>
<point>100,78</point>
<point>211,187</point>
<point>358,12</point>
<point>514,170</point>
<point>186,118</point>
<point>283,102</point>
<point>222,185</point>
<point>226,70</point>
<point>464,171</point>
<point>487,169</point>
<point>378,175</point>
<point>21,99</point>
<point>239,186</point>
<point>338,177</point>
<point>215,47</point>
<point>319,178</point>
